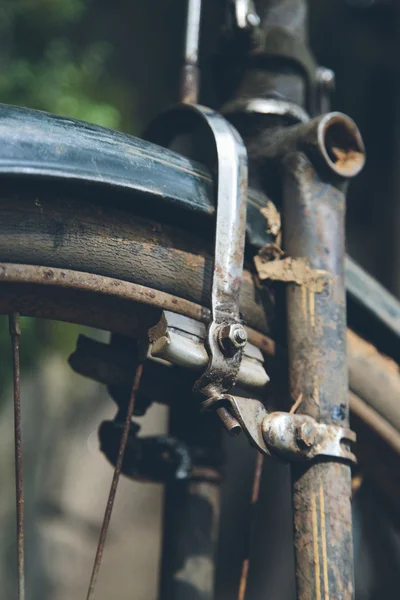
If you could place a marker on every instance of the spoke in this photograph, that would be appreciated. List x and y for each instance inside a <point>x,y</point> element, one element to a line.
<point>15,332</point>
<point>113,488</point>
<point>254,499</point>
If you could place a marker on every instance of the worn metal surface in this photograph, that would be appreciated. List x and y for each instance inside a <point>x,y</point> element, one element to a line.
<point>314,229</point>
<point>325,82</point>
<point>190,75</point>
<point>248,412</point>
<point>180,341</point>
<point>267,106</point>
<point>191,509</point>
<point>226,336</point>
<point>142,177</point>
<point>15,332</point>
<point>59,293</point>
<point>300,437</point>
<point>333,141</point>
<point>135,308</point>
<point>293,437</point>
<point>272,60</point>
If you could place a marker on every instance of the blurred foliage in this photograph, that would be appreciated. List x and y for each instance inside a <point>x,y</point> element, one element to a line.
<point>46,63</point>
<point>60,84</point>
<point>46,68</point>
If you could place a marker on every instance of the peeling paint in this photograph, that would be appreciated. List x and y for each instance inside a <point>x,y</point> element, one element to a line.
<point>292,270</point>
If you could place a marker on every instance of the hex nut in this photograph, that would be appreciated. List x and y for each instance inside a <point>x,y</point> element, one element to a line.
<point>232,338</point>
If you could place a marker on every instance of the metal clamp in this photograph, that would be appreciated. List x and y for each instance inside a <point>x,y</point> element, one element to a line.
<point>300,437</point>
<point>267,106</point>
<point>179,340</point>
<point>289,436</point>
<point>226,336</point>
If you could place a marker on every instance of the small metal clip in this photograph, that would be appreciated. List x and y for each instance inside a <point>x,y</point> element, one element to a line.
<point>293,437</point>
<point>300,437</point>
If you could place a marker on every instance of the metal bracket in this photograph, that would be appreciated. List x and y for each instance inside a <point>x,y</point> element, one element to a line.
<point>300,437</point>
<point>180,340</point>
<point>289,436</point>
<point>267,106</point>
<point>226,336</point>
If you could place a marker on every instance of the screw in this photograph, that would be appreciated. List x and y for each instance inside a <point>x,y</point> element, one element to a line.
<point>325,88</point>
<point>326,78</point>
<point>253,19</point>
<point>305,435</point>
<point>232,338</point>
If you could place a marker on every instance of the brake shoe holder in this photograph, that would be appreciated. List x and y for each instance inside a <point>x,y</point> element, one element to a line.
<point>288,436</point>
<point>226,336</point>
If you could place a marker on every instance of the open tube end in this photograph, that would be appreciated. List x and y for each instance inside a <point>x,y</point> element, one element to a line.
<point>341,144</point>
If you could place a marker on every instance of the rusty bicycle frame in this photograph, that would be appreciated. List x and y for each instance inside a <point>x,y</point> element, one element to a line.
<point>300,157</point>
<point>270,83</point>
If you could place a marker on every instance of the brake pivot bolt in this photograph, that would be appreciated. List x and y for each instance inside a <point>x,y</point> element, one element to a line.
<point>232,337</point>
<point>305,435</point>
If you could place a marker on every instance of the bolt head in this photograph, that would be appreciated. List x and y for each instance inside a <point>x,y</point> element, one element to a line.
<point>253,19</point>
<point>326,78</point>
<point>232,337</point>
<point>305,435</point>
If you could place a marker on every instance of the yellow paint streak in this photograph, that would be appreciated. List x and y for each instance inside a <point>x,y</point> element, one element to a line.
<point>316,551</point>
<point>323,536</point>
<point>311,299</point>
<point>316,388</point>
<point>304,301</point>
<point>243,579</point>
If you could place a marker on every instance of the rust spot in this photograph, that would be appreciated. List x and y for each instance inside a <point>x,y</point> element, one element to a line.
<point>346,161</point>
<point>48,274</point>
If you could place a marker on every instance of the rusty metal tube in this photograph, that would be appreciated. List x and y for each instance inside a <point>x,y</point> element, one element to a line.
<point>332,141</point>
<point>314,208</point>
<point>191,520</point>
<point>191,510</point>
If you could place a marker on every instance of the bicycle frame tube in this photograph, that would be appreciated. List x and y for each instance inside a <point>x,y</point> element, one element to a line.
<point>314,230</point>
<point>313,227</point>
